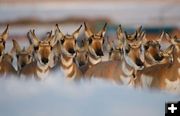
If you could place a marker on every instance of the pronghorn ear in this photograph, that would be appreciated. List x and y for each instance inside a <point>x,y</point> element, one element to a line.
<point>53,41</point>
<point>168,37</point>
<point>5,33</point>
<point>16,47</point>
<point>76,33</point>
<point>30,49</point>
<point>139,29</point>
<point>161,37</point>
<point>120,32</point>
<point>170,49</point>
<point>134,36</point>
<point>35,40</point>
<point>58,34</point>
<point>103,31</point>
<point>88,31</point>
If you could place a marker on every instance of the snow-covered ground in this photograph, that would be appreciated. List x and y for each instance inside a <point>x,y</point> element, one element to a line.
<point>59,96</point>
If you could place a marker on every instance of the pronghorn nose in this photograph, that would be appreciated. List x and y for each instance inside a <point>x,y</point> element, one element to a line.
<point>139,62</point>
<point>81,63</point>
<point>99,52</point>
<point>22,65</point>
<point>71,50</point>
<point>158,57</point>
<point>45,60</point>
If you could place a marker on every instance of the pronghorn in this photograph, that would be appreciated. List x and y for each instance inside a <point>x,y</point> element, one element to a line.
<point>6,67</point>
<point>163,76</point>
<point>81,54</point>
<point>67,44</point>
<point>8,57</point>
<point>122,71</point>
<point>115,52</point>
<point>3,38</point>
<point>152,51</point>
<point>43,53</point>
<point>95,45</point>
<point>24,56</point>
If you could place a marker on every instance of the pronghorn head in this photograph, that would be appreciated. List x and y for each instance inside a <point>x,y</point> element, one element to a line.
<point>67,42</point>
<point>132,38</point>
<point>82,55</point>
<point>134,54</point>
<point>3,38</point>
<point>43,49</point>
<point>174,40</point>
<point>167,54</point>
<point>24,56</point>
<point>152,48</point>
<point>115,52</point>
<point>95,41</point>
<point>7,57</point>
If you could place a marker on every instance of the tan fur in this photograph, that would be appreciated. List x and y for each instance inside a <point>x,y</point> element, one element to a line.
<point>67,46</point>
<point>95,45</point>
<point>42,52</point>
<point>161,73</point>
<point>24,56</point>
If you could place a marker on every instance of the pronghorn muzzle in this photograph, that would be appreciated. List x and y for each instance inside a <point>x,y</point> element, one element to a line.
<point>99,52</point>
<point>139,62</point>
<point>158,57</point>
<point>45,60</point>
<point>71,51</point>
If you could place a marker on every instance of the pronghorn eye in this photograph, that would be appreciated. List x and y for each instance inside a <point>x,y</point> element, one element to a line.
<point>51,47</point>
<point>62,41</point>
<point>4,44</point>
<point>36,48</point>
<point>146,47</point>
<point>90,40</point>
<point>17,56</point>
<point>29,56</point>
<point>103,41</point>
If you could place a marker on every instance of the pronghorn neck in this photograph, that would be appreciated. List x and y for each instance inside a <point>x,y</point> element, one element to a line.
<point>68,66</point>
<point>42,71</point>
<point>149,61</point>
<point>127,69</point>
<point>93,60</point>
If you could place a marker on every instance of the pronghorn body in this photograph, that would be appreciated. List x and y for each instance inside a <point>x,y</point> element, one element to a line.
<point>67,46</point>
<point>95,45</point>
<point>24,56</point>
<point>152,51</point>
<point>162,76</point>
<point>43,55</point>
<point>122,72</point>
<point>6,67</point>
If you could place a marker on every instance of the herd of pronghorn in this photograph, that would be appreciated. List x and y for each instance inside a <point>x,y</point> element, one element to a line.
<point>133,59</point>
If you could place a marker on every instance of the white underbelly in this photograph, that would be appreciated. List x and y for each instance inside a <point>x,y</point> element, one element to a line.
<point>172,86</point>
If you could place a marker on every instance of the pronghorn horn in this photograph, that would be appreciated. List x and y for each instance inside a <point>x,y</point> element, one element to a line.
<point>29,38</point>
<point>76,33</point>
<point>5,33</point>
<point>58,34</point>
<point>161,37</point>
<point>102,32</point>
<point>35,39</point>
<point>139,29</point>
<point>120,33</point>
<point>16,47</point>
<point>49,34</point>
<point>88,31</point>
<point>134,36</point>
